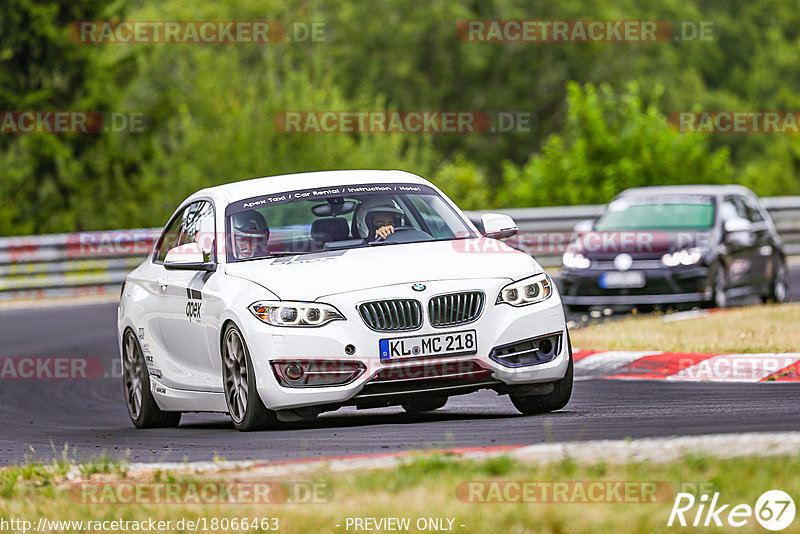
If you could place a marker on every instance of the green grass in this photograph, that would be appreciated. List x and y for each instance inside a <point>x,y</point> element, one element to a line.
<point>426,486</point>
<point>18,479</point>
<point>752,329</point>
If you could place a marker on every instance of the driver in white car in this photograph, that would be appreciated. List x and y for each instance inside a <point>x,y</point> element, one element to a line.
<point>250,234</point>
<point>378,217</point>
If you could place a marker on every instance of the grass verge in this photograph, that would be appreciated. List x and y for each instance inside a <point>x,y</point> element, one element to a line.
<point>433,486</point>
<point>772,328</point>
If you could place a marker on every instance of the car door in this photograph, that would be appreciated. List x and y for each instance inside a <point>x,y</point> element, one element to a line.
<point>763,246</point>
<point>740,246</point>
<point>183,321</point>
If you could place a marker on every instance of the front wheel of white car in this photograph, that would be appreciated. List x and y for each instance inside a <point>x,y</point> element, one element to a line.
<point>142,407</point>
<point>548,402</point>
<point>244,405</point>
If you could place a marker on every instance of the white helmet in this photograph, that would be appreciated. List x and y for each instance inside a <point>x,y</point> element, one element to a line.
<point>249,229</point>
<point>372,205</point>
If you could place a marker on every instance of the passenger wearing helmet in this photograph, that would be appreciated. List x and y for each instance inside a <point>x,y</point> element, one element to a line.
<point>250,234</point>
<point>378,217</point>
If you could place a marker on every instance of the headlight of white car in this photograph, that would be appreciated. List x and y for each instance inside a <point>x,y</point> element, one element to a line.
<point>287,313</point>
<point>527,291</point>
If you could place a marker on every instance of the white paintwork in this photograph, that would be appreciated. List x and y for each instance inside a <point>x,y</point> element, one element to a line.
<point>498,225</point>
<point>188,355</point>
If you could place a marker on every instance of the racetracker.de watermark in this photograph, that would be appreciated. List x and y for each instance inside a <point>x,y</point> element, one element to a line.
<point>404,122</point>
<point>576,31</point>
<point>574,491</point>
<point>124,242</point>
<point>611,242</point>
<point>739,367</point>
<point>735,122</point>
<point>185,493</point>
<point>52,368</point>
<point>72,122</point>
<point>195,32</point>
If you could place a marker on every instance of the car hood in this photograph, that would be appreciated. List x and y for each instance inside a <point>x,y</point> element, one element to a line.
<point>640,244</point>
<point>309,277</point>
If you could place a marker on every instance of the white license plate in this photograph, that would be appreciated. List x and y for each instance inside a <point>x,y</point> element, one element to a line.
<point>449,344</point>
<point>612,280</point>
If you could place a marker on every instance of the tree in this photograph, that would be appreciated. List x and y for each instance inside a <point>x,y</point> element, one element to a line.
<point>610,142</point>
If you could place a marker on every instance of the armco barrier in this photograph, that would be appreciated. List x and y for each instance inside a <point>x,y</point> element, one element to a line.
<point>81,263</point>
<point>92,263</point>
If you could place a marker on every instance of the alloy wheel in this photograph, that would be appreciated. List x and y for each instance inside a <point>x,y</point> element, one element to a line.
<point>134,375</point>
<point>235,375</point>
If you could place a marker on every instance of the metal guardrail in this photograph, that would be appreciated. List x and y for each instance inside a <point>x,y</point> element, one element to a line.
<point>82,263</point>
<point>96,263</point>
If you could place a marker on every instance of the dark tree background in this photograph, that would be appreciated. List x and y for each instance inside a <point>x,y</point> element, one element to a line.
<point>599,109</point>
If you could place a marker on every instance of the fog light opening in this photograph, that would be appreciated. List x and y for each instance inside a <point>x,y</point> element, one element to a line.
<point>294,372</point>
<point>316,373</point>
<point>532,351</point>
<point>545,347</point>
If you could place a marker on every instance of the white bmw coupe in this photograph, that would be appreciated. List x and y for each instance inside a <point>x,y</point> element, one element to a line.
<point>280,298</point>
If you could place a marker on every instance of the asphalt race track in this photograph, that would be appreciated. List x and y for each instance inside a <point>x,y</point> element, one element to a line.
<point>38,417</point>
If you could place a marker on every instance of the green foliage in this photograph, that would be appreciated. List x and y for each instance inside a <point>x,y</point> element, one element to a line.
<point>610,142</point>
<point>463,180</point>
<point>39,66</point>
<point>598,108</point>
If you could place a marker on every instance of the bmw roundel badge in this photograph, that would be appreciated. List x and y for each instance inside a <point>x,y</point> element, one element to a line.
<point>418,287</point>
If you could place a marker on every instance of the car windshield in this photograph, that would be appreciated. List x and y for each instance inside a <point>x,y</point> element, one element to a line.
<point>336,218</point>
<point>685,214</point>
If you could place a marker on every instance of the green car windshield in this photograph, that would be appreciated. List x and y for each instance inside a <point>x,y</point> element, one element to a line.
<point>624,215</point>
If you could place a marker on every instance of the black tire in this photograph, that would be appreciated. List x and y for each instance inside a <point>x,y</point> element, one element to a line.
<point>719,287</point>
<point>779,285</point>
<point>424,405</point>
<point>549,402</point>
<point>142,407</point>
<point>245,407</point>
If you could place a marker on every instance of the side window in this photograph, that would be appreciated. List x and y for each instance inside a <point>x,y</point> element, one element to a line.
<point>728,210</point>
<point>753,213</point>
<point>741,208</point>
<point>170,236</point>
<point>194,225</point>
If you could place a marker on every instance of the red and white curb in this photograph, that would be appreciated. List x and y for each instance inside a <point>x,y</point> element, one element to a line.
<point>688,366</point>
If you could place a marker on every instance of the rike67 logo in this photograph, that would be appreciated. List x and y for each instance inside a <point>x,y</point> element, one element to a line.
<point>774,510</point>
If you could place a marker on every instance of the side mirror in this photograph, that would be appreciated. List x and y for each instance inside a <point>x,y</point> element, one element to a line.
<point>737,224</point>
<point>583,226</point>
<point>188,257</point>
<point>738,231</point>
<point>498,226</point>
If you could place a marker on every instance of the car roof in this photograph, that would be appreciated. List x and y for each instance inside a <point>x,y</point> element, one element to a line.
<point>235,191</point>
<point>705,190</point>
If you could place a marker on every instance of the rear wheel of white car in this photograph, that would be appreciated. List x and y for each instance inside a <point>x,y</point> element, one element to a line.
<point>244,405</point>
<point>142,407</point>
<point>555,400</point>
<point>424,405</point>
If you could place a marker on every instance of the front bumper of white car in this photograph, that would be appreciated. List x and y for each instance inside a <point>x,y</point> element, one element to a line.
<point>388,382</point>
